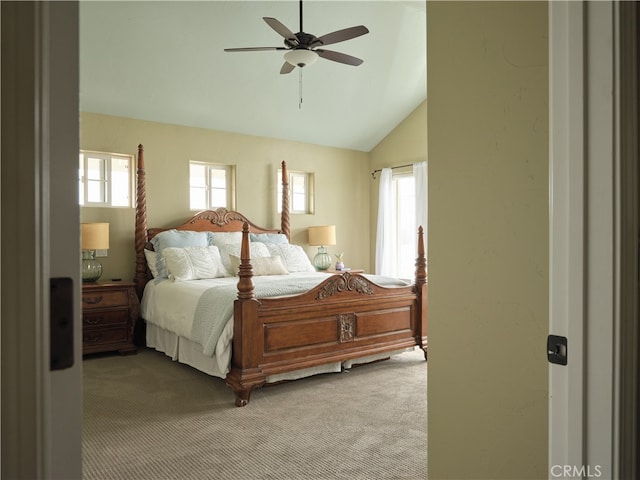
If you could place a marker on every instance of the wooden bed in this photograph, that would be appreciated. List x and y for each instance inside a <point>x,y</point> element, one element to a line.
<point>346,317</point>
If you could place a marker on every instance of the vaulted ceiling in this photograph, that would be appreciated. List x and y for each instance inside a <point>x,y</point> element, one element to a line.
<point>165,61</point>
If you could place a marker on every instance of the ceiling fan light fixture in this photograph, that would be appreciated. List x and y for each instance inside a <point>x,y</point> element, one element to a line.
<point>301,57</point>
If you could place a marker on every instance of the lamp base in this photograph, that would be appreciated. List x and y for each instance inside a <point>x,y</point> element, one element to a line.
<point>91,267</point>
<point>322,260</point>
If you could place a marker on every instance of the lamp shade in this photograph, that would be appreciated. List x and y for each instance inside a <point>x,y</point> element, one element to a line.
<point>301,57</point>
<point>95,236</point>
<point>325,235</point>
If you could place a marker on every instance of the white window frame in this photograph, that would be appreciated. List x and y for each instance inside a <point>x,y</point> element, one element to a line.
<point>230,188</point>
<point>308,179</point>
<point>105,178</point>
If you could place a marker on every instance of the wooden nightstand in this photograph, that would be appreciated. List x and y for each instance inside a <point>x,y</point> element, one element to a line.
<point>109,313</point>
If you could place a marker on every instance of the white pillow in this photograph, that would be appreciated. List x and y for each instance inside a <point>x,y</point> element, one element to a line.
<point>268,237</point>
<point>223,238</point>
<point>226,249</point>
<point>261,265</point>
<point>293,257</point>
<point>193,263</point>
<point>178,239</point>
<point>151,257</point>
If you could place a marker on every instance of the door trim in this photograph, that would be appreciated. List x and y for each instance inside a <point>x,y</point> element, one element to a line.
<point>593,418</point>
<point>24,351</point>
<point>567,235</point>
<point>41,424</point>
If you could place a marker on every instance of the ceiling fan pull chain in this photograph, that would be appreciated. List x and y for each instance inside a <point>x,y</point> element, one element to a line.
<point>300,89</point>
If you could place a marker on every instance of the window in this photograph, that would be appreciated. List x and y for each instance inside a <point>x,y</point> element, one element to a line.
<point>404,228</point>
<point>211,186</point>
<point>105,179</point>
<point>300,192</point>
<point>402,207</point>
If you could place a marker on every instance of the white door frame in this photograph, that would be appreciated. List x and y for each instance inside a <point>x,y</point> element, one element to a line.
<point>41,409</point>
<point>590,224</point>
<point>566,249</point>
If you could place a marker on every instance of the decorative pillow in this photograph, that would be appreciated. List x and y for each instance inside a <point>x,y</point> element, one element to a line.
<point>178,239</point>
<point>223,238</point>
<point>226,249</point>
<point>152,258</point>
<point>293,257</point>
<point>193,263</point>
<point>269,237</point>
<point>261,265</point>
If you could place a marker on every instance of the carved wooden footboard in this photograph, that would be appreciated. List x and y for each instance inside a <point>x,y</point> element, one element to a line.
<point>345,317</point>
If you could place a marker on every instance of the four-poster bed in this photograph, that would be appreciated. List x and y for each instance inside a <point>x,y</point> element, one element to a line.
<point>341,319</point>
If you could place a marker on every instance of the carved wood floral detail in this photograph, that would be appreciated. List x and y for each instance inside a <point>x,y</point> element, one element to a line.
<point>347,325</point>
<point>344,282</point>
<point>220,216</point>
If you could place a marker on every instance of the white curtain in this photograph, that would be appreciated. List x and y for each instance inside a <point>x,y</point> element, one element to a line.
<point>420,176</point>
<point>385,237</point>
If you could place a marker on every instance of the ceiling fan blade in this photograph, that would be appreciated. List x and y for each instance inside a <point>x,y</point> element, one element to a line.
<point>281,29</point>
<point>340,35</point>
<point>287,68</point>
<point>339,57</point>
<point>254,49</point>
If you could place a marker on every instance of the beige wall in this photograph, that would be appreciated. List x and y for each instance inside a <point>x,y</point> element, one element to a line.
<point>488,239</point>
<point>342,183</point>
<point>405,145</point>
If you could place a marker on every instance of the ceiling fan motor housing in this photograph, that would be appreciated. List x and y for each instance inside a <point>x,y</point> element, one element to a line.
<point>303,40</point>
<point>301,54</point>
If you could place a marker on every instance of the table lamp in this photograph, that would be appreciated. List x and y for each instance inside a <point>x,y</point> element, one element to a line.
<point>320,237</point>
<point>95,236</point>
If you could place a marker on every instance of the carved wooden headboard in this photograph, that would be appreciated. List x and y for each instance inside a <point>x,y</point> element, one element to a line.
<point>219,220</point>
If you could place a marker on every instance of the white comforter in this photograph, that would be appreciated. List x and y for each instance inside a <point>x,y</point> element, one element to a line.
<point>202,310</point>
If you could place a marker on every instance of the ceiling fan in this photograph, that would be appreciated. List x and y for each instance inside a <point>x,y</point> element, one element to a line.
<point>304,48</point>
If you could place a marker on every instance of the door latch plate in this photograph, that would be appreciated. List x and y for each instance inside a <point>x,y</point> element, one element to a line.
<point>61,318</point>
<point>557,349</point>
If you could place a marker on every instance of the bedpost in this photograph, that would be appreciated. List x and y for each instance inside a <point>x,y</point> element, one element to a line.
<point>140,277</point>
<point>245,274</point>
<point>245,374</point>
<point>284,217</point>
<point>421,288</point>
<point>421,261</point>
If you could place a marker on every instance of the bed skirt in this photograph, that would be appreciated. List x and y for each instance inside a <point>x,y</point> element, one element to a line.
<point>185,351</point>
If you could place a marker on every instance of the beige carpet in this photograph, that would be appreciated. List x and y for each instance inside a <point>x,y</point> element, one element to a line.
<point>148,417</point>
